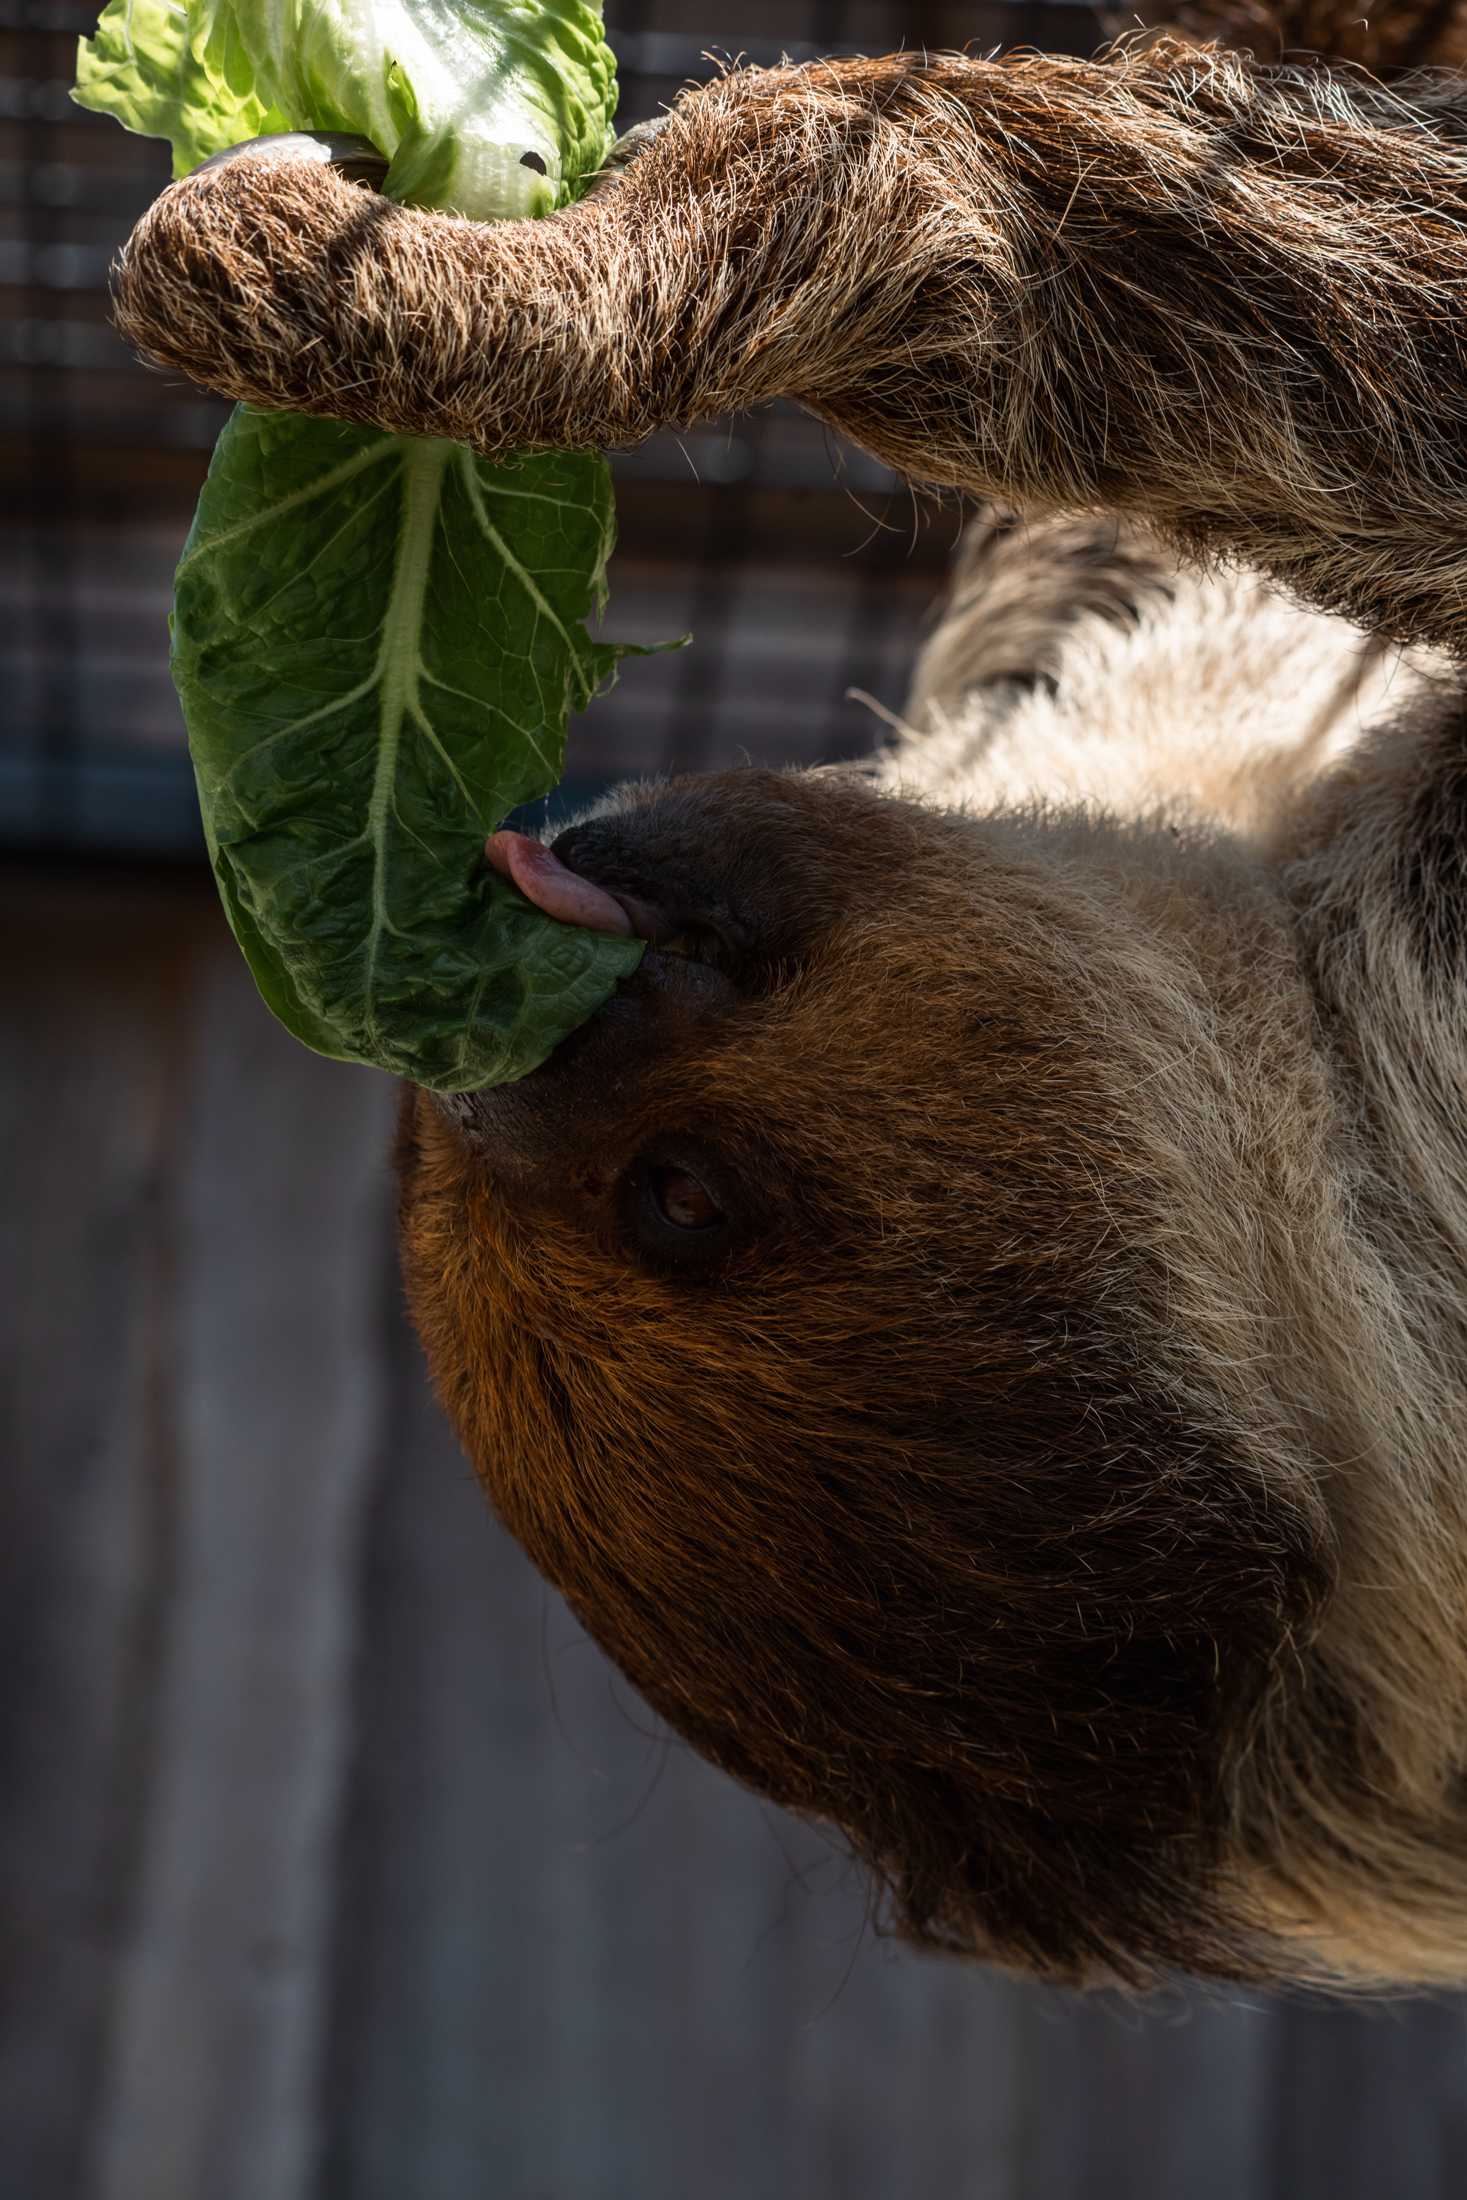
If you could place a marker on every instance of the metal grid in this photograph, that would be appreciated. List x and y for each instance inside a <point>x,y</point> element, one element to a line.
<point>801,567</point>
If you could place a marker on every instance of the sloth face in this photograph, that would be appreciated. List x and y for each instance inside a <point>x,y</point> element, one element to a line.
<point>816,1319</point>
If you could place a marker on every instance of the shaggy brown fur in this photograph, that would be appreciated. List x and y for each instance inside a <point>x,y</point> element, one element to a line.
<point>1226,296</point>
<point>1047,1465</point>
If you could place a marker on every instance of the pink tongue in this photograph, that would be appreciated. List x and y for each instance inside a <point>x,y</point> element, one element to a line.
<point>543,879</point>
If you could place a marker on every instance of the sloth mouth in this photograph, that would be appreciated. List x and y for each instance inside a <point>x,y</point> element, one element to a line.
<point>572,898</point>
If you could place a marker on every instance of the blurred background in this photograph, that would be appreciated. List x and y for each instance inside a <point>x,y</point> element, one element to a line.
<point>335,1864</point>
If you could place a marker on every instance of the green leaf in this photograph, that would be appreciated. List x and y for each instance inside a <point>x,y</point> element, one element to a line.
<point>141,68</point>
<point>456,92</point>
<point>377,642</point>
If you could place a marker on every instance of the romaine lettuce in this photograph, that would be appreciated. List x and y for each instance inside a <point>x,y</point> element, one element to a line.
<point>377,640</point>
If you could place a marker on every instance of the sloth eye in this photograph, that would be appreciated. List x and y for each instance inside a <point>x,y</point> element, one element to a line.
<point>681,1201</point>
<point>679,1214</point>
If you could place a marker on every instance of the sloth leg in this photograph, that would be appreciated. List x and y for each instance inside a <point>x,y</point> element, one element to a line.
<point>1073,660</point>
<point>1019,585</point>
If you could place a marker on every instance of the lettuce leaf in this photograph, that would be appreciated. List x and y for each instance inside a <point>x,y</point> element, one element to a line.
<point>491,108</point>
<point>141,68</point>
<point>457,93</point>
<point>377,641</point>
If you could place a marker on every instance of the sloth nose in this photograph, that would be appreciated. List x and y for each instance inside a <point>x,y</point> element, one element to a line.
<point>680,911</point>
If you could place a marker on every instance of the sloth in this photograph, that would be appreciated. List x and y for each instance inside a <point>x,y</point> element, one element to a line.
<point>976,1327</point>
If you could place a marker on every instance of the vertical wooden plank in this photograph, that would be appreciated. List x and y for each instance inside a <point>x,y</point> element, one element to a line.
<point>693,1950</point>
<point>1144,2100</point>
<point>1370,2099</point>
<point>436,2079</point>
<point>282,1237</point>
<point>573,1960</point>
<point>911,2079</point>
<point>96,983</point>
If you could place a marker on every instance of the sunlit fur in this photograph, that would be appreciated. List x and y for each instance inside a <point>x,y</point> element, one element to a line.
<point>1060,1486</point>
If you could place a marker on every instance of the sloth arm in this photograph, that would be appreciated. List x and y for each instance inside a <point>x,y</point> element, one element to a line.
<point>1230,299</point>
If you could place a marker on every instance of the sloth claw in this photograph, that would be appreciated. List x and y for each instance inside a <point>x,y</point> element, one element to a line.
<point>356,158</point>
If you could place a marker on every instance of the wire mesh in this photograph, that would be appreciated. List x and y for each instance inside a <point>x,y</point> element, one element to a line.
<point>801,567</point>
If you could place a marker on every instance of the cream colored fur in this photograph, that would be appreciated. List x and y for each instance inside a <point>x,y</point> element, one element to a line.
<point>1210,698</point>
